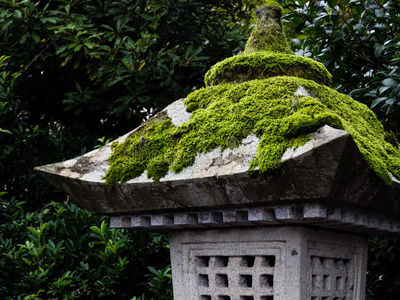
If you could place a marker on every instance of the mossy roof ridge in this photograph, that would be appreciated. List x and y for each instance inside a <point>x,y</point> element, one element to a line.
<point>261,65</point>
<point>226,114</point>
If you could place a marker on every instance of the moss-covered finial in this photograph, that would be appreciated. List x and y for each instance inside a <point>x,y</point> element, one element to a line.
<point>267,54</point>
<point>268,35</point>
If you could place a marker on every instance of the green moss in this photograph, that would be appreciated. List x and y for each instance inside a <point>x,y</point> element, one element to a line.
<point>391,138</point>
<point>268,35</point>
<point>143,150</point>
<point>267,54</point>
<point>223,115</point>
<point>191,107</point>
<point>252,93</point>
<point>261,65</point>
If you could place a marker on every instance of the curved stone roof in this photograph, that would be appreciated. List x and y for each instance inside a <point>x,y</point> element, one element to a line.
<point>325,169</point>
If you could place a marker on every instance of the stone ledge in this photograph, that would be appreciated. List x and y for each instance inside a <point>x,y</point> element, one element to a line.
<point>313,214</point>
<point>329,168</point>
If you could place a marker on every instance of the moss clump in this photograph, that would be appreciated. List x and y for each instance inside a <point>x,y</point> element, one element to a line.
<point>267,54</point>
<point>261,65</point>
<point>225,114</point>
<point>268,35</point>
<point>144,149</point>
<point>391,138</point>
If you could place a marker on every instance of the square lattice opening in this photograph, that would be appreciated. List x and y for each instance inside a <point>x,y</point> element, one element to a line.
<point>203,280</point>
<point>246,280</point>
<point>248,261</point>
<point>221,280</point>
<point>268,261</point>
<point>221,261</point>
<point>266,280</point>
<point>203,261</point>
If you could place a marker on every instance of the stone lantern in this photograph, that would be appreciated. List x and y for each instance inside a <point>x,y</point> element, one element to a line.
<point>267,181</point>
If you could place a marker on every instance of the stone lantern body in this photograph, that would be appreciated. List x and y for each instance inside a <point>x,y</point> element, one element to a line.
<point>248,221</point>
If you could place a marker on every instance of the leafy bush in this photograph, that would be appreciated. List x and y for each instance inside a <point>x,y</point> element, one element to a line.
<point>56,254</point>
<point>44,257</point>
<point>358,42</point>
<point>71,72</point>
<point>383,277</point>
<point>103,64</point>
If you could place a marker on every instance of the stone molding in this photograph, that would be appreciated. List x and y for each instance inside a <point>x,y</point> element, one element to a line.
<point>349,219</point>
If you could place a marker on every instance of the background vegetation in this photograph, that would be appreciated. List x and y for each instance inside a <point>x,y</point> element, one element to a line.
<point>73,75</point>
<point>359,43</point>
<point>76,73</point>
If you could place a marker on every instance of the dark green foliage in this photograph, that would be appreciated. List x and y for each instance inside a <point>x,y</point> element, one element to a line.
<point>71,72</point>
<point>102,64</point>
<point>358,42</point>
<point>57,254</point>
<point>383,277</point>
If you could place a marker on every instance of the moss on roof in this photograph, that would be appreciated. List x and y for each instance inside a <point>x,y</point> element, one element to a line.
<point>247,94</point>
<point>269,108</point>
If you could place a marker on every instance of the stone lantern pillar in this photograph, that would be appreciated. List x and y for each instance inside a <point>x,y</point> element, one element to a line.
<point>278,210</point>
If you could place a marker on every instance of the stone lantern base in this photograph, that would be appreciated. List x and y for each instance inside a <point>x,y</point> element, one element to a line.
<point>268,263</point>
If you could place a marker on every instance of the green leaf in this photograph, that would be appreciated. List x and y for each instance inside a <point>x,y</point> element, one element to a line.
<point>77,47</point>
<point>397,91</point>
<point>89,45</point>
<point>96,230</point>
<point>377,101</point>
<point>360,28</point>
<point>35,37</point>
<point>383,89</point>
<point>152,270</point>
<point>390,82</point>
<point>378,50</point>
<point>66,60</point>
<point>23,38</point>
<point>34,231</point>
<point>103,227</point>
<point>50,20</point>
<point>18,14</point>
<point>5,131</point>
<point>297,42</point>
<point>78,87</point>
<point>338,36</point>
<point>380,26</point>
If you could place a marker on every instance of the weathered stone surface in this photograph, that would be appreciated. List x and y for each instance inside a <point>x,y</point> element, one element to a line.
<point>329,216</point>
<point>177,112</point>
<point>282,263</point>
<point>329,168</point>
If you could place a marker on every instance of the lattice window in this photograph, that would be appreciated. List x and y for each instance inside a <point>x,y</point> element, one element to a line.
<point>331,278</point>
<point>249,277</point>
